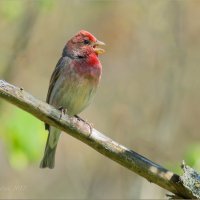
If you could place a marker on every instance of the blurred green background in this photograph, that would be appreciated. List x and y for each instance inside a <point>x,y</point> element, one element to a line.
<point>148,98</point>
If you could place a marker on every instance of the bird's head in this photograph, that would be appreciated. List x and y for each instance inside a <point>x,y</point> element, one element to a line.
<point>82,45</point>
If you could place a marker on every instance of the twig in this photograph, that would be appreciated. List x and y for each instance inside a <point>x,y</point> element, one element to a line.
<point>101,143</point>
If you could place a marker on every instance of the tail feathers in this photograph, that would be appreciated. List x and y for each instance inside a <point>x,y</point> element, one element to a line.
<point>49,158</point>
<point>50,149</point>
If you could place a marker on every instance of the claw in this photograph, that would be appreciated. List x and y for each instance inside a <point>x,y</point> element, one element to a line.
<point>89,124</point>
<point>63,111</point>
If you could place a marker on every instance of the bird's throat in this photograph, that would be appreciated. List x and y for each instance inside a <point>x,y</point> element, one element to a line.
<point>89,67</point>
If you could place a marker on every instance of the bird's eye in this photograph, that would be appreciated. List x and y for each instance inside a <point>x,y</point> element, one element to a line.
<point>86,42</point>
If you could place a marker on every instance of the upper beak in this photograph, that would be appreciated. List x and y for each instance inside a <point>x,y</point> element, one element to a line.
<point>99,50</point>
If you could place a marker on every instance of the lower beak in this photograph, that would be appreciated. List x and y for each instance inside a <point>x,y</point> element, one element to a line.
<point>97,49</point>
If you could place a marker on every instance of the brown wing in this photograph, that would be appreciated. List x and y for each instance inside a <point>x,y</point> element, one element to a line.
<point>54,78</point>
<point>63,62</point>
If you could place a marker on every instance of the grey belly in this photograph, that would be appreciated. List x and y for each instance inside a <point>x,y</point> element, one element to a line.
<point>74,96</point>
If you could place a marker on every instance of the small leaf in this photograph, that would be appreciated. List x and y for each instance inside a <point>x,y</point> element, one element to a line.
<point>11,10</point>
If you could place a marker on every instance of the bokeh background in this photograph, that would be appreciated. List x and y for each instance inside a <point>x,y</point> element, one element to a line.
<point>148,99</point>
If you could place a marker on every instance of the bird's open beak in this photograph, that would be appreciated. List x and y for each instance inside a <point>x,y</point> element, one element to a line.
<point>96,47</point>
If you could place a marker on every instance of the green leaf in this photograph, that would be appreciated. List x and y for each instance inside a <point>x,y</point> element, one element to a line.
<point>11,9</point>
<point>24,137</point>
<point>192,157</point>
<point>46,4</point>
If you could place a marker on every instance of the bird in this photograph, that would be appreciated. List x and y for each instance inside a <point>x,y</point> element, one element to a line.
<point>73,84</point>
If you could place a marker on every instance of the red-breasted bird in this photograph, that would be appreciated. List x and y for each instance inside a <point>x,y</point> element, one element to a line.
<point>73,83</point>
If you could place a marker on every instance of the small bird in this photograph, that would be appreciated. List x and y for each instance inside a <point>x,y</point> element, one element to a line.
<point>73,84</point>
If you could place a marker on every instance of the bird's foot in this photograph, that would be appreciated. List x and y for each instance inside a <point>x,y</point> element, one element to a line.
<point>63,111</point>
<point>85,121</point>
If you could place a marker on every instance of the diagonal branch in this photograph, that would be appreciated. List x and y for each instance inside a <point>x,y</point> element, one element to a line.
<point>101,143</point>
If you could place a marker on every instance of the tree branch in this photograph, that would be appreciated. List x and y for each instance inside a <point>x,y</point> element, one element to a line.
<point>101,143</point>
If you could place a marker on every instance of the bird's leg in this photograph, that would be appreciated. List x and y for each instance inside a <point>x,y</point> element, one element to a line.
<point>63,111</point>
<point>89,124</point>
<point>79,118</point>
